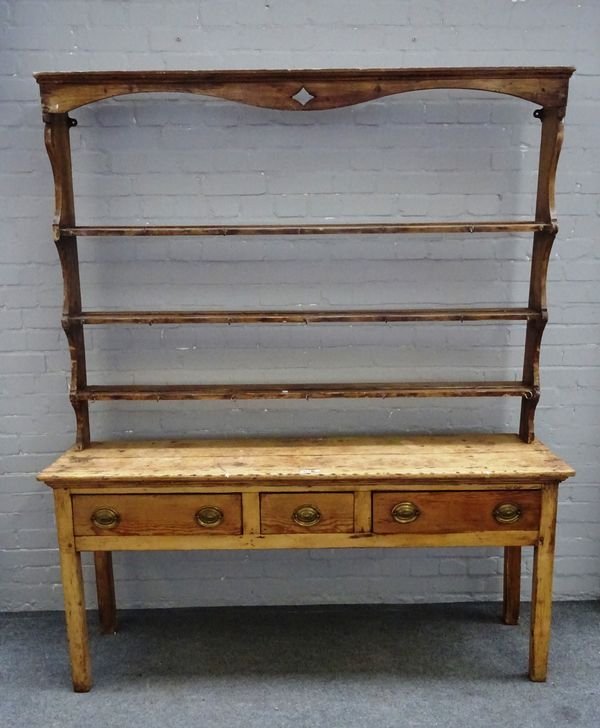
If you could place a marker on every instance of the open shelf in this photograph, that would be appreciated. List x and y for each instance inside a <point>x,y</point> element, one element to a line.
<point>305,316</point>
<point>155,392</point>
<point>429,228</point>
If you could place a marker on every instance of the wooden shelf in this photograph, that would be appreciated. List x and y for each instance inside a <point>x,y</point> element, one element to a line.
<point>305,316</point>
<point>306,90</point>
<point>156,392</point>
<point>427,228</point>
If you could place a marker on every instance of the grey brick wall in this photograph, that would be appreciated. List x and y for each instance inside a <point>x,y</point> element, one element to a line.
<point>444,155</point>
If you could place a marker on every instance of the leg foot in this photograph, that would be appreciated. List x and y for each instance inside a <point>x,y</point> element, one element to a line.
<point>105,589</point>
<point>512,585</point>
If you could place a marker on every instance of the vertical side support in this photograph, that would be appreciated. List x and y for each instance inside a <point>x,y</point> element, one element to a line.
<point>58,146</point>
<point>541,596</point>
<point>72,579</point>
<point>105,591</point>
<point>512,585</point>
<point>545,212</point>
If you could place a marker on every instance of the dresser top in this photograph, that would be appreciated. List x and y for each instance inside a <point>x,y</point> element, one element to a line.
<point>437,457</point>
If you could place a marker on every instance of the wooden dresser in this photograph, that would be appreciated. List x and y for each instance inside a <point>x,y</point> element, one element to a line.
<point>334,492</point>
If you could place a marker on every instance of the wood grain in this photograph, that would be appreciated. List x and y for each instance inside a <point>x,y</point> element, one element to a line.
<point>304,316</point>
<point>337,512</point>
<point>455,511</point>
<point>541,595</point>
<point>399,228</point>
<point>330,88</point>
<point>419,458</point>
<point>73,592</point>
<point>105,591</point>
<point>301,390</point>
<point>306,541</point>
<point>511,601</point>
<point>173,514</point>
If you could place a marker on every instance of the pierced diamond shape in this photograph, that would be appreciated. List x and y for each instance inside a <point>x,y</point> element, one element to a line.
<point>303,96</point>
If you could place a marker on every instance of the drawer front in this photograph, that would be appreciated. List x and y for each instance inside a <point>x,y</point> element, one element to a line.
<point>307,512</point>
<point>457,511</point>
<point>164,514</point>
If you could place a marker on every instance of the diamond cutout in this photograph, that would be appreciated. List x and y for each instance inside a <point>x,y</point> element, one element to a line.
<point>303,96</point>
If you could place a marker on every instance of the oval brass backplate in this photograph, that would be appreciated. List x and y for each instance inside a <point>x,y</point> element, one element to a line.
<point>507,513</point>
<point>306,515</point>
<point>209,516</point>
<point>105,518</point>
<point>405,512</point>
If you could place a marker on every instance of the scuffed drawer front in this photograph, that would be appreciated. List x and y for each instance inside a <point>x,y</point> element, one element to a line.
<point>456,511</point>
<point>307,512</point>
<point>163,514</point>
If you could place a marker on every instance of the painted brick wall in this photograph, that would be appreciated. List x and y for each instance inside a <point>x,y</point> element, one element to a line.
<point>444,155</point>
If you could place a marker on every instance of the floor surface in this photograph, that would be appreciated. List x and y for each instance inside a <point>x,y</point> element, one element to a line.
<point>369,666</point>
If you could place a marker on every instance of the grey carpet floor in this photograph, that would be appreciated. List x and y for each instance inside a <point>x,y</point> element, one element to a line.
<point>423,665</point>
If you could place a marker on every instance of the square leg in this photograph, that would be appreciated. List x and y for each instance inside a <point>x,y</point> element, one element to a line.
<point>72,579</point>
<point>541,597</point>
<point>512,585</point>
<point>105,590</point>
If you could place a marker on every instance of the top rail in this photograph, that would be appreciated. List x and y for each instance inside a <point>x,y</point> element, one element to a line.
<point>323,88</point>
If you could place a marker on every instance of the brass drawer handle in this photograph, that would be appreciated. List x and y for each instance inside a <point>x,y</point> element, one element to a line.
<point>209,516</point>
<point>306,515</point>
<point>105,518</point>
<point>507,513</point>
<point>405,512</point>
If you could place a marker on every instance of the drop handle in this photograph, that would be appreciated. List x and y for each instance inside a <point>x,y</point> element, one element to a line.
<point>405,512</point>
<point>105,518</point>
<point>209,517</point>
<point>306,515</point>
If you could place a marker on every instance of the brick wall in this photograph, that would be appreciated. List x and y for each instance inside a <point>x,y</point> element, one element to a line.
<point>436,154</point>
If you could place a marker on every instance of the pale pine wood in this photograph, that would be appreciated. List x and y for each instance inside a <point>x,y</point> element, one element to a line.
<point>337,512</point>
<point>159,515</point>
<point>250,513</point>
<point>105,591</point>
<point>455,511</point>
<point>511,602</point>
<point>541,597</point>
<point>72,580</point>
<point>448,457</point>
<point>325,485</point>
<point>362,511</point>
<point>306,541</point>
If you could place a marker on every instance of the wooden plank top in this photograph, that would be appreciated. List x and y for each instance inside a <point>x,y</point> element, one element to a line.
<point>324,88</point>
<point>415,458</point>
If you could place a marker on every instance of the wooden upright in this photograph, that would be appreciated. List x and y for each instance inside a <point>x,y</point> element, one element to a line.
<point>475,490</point>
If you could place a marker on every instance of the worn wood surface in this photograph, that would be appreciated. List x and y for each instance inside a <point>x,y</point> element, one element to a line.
<point>451,457</point>
<point>427,228</point>
<point>157,514</point>
<point>336,509</point>
<point>64,91</point>
<point>295,390</point>
<point>545,211</point>
<point>305,316</point>
<point>58,147</point>
<point>511,599</point>
<point>105,592</point>
<point>541,595</point>
<point>306,541</point>
<point>330,88</point>
<point>455,511</point>
<point>72,581</point>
